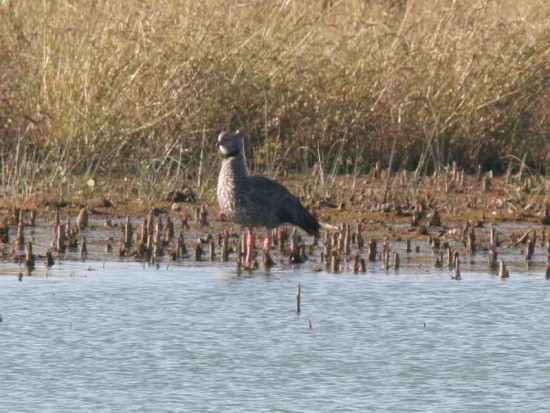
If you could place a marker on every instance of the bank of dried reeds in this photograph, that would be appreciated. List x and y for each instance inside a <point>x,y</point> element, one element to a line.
<point>141,87</point>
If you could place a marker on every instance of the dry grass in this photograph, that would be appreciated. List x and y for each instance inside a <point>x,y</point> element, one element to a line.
<point>141,87</point>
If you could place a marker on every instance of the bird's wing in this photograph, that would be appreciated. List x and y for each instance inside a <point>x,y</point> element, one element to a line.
<point>273,199</point>
<point>269,195</point>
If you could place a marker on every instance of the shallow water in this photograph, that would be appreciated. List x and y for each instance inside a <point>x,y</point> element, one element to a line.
<point>121,336</point>
<point>109,334</point>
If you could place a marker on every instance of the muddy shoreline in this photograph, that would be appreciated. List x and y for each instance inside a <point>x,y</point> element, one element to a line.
<point>442,214</point>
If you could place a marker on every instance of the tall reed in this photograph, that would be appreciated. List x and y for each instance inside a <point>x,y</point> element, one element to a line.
<point>100,88</point>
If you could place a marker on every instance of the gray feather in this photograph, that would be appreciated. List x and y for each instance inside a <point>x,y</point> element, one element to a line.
<point>257,201</point>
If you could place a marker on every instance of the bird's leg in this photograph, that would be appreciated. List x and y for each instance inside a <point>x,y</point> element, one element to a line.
<point>250,244</point>
<point>268,240</point>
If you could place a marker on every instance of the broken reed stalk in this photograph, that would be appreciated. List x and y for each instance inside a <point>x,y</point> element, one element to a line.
<point>109,245</point>
<point>492,257</point>
<point>298,299</point>
<point>456,258</point>
<point>470,239</point>
<point>326,249</point>
<point>282,236</point>
<point>339,239</point>
<point>212,250</point>
<point>435,221</point>
<point>450,258</point>
<point>181,249</point>
<point>372,250</point>
<point>503,271</point>
<point>266,259</point>
<point>83,248</point>
<point>201,216</point>
<point>82,219</point>
<point>335,240</point>
<point>457,275</point>
<point>416,217</point>
<point>362,265</point>
<point>295,256</point>
<point>150,242</point>
<point>29,257</point>
<point>71,232</point>
<point>4,231</point>
<point>48,259</point>
<point>122,252</point>
<point>204,216</point>
<point>302,252</point>
<point>315,242</point>
<point>485,183</point>
<point>493,238</point>
<point>396,261</point>
<point>354,262</point>
<point>198,251</point>
<point>225,247</point>
<point>359,240</point>
<point>157,235</point>
<point>169,232</point>
<point>545,220</point>
<point>152,256</point>
<point>239,259</point>
<point>157,244</point>
<point>144,232</point>
<point>335,261</point>
<point>20,237</point>
<point>529,250</point>
<point>439,260</point>
<point>128,232</point>
<point>17,214</point>
<point>523,238</point>
<point>347,240</point>
<point>61,240</point>
<point>434,241</point>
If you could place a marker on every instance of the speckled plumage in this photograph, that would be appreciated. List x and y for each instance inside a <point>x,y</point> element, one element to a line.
<point>256,201</point>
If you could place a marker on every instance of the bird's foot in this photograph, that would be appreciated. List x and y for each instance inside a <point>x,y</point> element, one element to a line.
<point>250,265</point>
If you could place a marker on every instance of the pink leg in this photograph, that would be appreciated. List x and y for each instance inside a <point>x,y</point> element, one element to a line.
<point>268,241</point>
<point>250,242</point>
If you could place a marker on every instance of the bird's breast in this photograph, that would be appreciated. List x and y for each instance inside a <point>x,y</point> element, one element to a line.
<point>227,198</point>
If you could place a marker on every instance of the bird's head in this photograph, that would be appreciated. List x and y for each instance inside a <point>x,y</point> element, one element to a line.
<point>230,144</point>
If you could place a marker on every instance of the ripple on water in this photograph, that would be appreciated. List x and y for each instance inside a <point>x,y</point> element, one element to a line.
<point>179,338</point>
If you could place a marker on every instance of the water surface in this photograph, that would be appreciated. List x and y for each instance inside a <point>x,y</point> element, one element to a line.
<point>123,336</point>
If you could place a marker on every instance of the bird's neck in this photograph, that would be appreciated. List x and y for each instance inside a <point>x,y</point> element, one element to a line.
<point>234,167</point>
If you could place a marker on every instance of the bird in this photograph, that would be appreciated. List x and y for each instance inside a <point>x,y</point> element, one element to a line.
<point>255,201</point>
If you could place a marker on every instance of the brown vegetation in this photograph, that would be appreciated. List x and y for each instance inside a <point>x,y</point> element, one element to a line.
<point>137,89</point>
